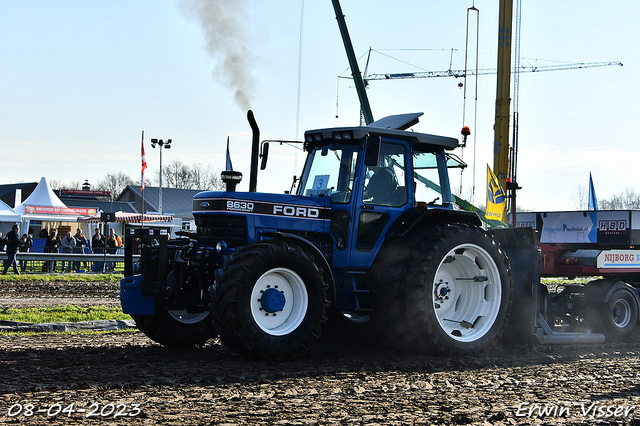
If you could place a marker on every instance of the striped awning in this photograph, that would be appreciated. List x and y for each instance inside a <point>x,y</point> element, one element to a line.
<point>122,217</point>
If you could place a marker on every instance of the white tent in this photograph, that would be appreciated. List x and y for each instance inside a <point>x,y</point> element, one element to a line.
<point>42,196</point>
<point>44,205</point>
<point>7,214</point>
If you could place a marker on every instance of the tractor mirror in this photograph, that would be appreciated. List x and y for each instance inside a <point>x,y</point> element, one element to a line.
<point>264,155</point>
<point>372,151</point>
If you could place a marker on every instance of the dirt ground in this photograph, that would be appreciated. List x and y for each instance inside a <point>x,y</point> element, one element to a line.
<point>124,378</point>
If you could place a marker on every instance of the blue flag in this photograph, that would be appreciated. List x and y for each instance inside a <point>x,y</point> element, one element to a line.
<point>593,201</point>
<point>228,166</point>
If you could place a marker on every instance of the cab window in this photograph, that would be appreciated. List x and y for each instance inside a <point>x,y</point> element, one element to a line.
<point>385,183</point>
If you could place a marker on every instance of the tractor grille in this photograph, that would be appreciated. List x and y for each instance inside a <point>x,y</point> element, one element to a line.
<point>231,229</point>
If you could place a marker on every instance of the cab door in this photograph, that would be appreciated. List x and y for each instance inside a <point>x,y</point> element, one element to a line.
<point>382,196</point>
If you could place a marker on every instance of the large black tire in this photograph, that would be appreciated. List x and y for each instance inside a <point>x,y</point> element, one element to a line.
<point>619,316</point>
<point>448,289</point>
<point>176,328</point>
<point>270,300</point>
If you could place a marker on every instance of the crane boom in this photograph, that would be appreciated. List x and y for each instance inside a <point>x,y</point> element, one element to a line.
<point>488,71</point>
<point>503,93</point>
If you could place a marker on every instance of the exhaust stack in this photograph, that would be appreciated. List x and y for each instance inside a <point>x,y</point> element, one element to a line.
<point>253,178</point>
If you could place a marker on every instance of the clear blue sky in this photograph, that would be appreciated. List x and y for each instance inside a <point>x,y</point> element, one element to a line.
<point>80,80</point>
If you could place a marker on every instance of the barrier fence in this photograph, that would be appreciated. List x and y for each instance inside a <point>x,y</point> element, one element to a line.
<point>67,262</point>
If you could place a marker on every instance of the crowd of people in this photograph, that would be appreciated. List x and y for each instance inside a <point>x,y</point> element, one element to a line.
<point>12,244</point>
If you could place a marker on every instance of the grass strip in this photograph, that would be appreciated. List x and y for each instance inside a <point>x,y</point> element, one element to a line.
<point>72,277</point>
<point>57,314</point>
<point>70,333</point>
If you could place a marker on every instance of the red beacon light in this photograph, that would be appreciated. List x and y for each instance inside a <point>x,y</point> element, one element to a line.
<point>512,185</point>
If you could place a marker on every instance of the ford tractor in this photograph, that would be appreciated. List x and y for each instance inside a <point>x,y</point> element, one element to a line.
<point>370,234</point>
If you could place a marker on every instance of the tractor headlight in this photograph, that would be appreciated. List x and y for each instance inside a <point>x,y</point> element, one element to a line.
<point>221,247</point>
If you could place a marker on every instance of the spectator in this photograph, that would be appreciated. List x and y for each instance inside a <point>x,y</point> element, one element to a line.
<point>43,233</point>
<point>26,243</point>
<point>137,245</point>
<point>51,245</point>
<point>2,242</point>
<point>13,242</point>
<point>113,241</point>
<point>81,243</point>
<point>68,246</point>
<point>97,242</point>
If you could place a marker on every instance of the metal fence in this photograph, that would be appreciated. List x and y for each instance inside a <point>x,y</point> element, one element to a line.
<point>30,262</point>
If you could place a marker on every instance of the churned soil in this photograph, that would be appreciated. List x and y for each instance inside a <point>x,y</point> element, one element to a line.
<point>124,378</point>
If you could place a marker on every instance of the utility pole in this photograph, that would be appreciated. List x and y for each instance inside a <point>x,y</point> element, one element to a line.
<point>167,145</point>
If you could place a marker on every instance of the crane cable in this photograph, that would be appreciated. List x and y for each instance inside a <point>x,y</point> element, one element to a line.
<point>295,158</point>
<point>513,161</point>
<point>464,103</point>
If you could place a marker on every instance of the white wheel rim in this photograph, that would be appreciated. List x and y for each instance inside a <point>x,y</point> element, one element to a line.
<point>296,298</point>
<point>467,293</point>
<point>621,313</point>
<point>184,317</point>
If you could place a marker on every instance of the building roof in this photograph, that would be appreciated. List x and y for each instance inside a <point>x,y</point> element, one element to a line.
<point>175,201</point>
<point>103,205</point>
<point>8,191</point>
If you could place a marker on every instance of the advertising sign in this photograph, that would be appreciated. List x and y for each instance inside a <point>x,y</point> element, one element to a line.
<point>67,211</point>
<point>611,259</point>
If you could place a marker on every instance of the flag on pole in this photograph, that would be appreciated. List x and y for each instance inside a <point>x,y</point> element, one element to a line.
<point>228,166</point>
<point>144,164</point>
<point>593,201</point>
<point>496,199</point>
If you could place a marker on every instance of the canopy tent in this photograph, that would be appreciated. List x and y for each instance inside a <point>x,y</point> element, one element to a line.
<point>8,217</point>
<point>122,217</point>
<point>42,196</point>
<point>44,205</point>
<point>7,214</point>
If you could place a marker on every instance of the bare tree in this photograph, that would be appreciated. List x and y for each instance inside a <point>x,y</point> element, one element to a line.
<point>580,198</point>
<point>626,200</point>
<point>56,184</point>
<point>180,175</point>
<point>115,183</point>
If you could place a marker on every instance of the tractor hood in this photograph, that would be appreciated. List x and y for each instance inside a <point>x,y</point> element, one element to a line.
<point>259,203</point>
<point>265,212</point>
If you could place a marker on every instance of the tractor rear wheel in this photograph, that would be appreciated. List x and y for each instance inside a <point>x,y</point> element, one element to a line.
<point>447,290</point>
<point>176,327</point>
<point>269,301</point>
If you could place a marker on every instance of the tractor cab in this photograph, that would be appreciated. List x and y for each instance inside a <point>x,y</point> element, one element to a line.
<point>374,175</point>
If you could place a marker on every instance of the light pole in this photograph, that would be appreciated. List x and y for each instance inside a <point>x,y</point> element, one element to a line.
<point>167,145</point>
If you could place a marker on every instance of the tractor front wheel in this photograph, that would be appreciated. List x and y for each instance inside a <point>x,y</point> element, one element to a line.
<point>176,327</point>
<point>270,300</point>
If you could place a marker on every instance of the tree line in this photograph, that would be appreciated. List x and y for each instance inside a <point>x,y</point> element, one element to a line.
<point>174,175</point>
<point>628,199</point>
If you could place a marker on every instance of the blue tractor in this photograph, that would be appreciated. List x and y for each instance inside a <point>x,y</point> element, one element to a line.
<point>371,234</point>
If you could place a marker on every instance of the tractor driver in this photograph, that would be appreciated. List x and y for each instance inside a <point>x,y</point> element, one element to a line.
<point>382,187</point>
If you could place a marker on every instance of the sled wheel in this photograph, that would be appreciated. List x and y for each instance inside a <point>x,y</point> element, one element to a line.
<point>620,315</point>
